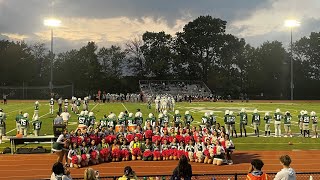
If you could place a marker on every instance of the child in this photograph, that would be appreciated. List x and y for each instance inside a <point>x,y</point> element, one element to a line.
<point>115,151</point>
<point>74,156</point>
<point>187,118</point>
<point>306,121</point>
<point>209,154</point>
<point>314,120</point>
<point>300,121</point>
<point>287,124</point>
<point>66,104</point>
<point>277,123</point>
<point>219,154</point>
<point>199,149</point>
<point>85,156</point>
<point>135,147</point>
<point>243,122</point>
<point>256,122</point>
<point>78,104</point>
<point>51,104</point>
<point>104,150</point>
<point>24,124</point>
<point>229,149</point>
<point>36,110</point>
<point>165,150</point>
<point>147,150</point>
<point>125,154</point>
<point>173,149</point>
<point>36,126</point>
<point>156,150</point>
<point>232,124</point>
<point>190,151</point>
<point>94,153</point>
<point>267,118</point>
<point>91,119</point>
<point>176,118</point>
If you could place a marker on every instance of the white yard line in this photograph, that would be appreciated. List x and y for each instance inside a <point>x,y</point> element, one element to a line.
<point>94,106</point>
<point>125,107</point>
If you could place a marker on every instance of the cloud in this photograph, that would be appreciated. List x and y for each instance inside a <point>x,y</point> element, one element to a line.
<point>270,20</point>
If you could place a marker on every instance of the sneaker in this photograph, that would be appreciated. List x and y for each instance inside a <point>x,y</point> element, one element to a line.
<point>313,136</point>
<point>230,162</point>
<point>275,136</point>
<point>291,136</point>
<point>285,136</point>
<point>71,165</point>
<point>264,136</point>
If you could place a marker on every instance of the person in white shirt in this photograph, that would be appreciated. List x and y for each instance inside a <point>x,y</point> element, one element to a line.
<point>65,117</point>
<point>286,173</point>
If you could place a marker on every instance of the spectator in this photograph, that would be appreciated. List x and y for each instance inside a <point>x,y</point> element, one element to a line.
<point>183,170</point>
<point>287,173</point>
<point>128,174</point>
<point>58,120</point>
<point>59,172</point>
<point>90,174</point>
<point>255,171</point>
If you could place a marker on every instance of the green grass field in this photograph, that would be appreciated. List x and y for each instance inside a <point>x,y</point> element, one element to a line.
<point>197,109</point>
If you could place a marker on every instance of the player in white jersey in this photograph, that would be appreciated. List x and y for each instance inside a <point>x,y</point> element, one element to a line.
<point>51,104</point>
<point>157,104</point>
<point>66,104</point>
<point>173,103</point>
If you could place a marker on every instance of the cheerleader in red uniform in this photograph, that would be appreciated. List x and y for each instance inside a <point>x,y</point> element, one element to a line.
<point>214,137</point>
<point>148,133</point>
<point>125,153</point>
<point>74,156</point>
<point>85,156</point>
<point>94,153</point>
<point>165,150</point>
<point>156,150</point>
<point>104,150</point>
<point>174,149</point>
<point>115,151</point>
<point>130,137</point>
<point>135,148</point>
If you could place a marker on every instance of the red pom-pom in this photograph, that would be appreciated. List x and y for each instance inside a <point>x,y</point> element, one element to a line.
<point>84,157</point>
<point>180,153</point>
<point>187,139</point>
<point>125,153</point>
<point>136,151</point>
<point>147,154</point>
<point>79,141</point>
<point>170,139</point>
<point>164,138</point>
<point>94,155</point>
<point>74,160</point>
<point>148,134</point>
<point>130,137</point>
<point>156,154</point>
<point>155,138</point>
<point>215,150</point>
<point>140,136</point>
<point>165,153</point>
<point>87,140</point>
<point>180,138</point>
<point>110,139</point>
<point>206,152</point>
<point>116,153</point>
<point>223,144</point>
<point>104,152</point>
<point>74,140</point>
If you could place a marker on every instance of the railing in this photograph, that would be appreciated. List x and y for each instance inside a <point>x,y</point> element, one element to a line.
<point>231,176</point>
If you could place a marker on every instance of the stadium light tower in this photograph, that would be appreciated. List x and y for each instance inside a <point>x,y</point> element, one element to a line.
<point>291,24</point>
<point>52,23</point>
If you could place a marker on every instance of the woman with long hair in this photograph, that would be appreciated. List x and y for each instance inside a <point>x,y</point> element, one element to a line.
<point>183,170</point>
<point>90,174</point>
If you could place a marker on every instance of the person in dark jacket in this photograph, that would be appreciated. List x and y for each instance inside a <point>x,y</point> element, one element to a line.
<point>183,170</point>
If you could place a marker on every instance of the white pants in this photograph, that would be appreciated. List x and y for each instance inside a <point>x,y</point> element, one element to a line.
<point>277,128</point>
<point>51,109</point>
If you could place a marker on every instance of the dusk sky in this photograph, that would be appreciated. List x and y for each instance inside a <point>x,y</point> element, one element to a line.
<point>116,21</point>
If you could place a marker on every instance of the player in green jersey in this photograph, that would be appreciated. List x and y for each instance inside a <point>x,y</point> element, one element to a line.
<point>243,122</point>
<point>256,122</point>
<point>267,119</point>
<point>287,124</point>
<point>36,126</point>
<point>277,123</point>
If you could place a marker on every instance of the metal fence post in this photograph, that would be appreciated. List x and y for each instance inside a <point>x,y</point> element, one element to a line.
<point>235,176</point>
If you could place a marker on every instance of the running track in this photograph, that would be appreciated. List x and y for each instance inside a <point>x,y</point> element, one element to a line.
<point>35,166</point>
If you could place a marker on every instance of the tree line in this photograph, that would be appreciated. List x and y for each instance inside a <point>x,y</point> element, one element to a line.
<point>201,51</point>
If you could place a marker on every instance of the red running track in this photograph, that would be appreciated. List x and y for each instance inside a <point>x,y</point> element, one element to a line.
<point>35,166</point>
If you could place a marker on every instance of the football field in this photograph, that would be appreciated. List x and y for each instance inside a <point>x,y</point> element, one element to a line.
<point>197,109</point>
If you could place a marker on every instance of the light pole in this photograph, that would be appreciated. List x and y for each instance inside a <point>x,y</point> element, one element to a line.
<point>291,24</point>
<point>52,23</point>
